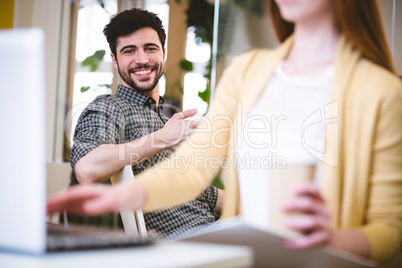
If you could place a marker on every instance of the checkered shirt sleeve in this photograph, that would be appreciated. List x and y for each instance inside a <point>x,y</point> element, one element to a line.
<point>100,123</point>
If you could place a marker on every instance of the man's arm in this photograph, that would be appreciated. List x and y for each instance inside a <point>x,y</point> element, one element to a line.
<point>219,201</point>
<point>107,159</point>
<point>213,196</point>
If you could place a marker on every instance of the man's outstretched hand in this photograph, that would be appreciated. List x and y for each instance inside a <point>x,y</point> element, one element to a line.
<point>177,129</point>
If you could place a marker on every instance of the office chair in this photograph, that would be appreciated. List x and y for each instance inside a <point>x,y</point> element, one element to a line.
<point>133,221</point>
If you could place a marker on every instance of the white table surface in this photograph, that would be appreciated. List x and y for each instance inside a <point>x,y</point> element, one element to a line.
<point>163,254</point>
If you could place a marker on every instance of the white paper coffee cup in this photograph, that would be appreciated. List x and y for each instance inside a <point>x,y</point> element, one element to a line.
<point>282,183</point>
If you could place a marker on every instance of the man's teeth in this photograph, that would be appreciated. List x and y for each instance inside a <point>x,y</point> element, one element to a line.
<point>143,72</point>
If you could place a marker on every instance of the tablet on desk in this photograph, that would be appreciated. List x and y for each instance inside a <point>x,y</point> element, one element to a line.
<point>269,248</point>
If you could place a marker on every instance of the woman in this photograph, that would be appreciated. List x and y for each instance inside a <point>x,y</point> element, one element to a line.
<point>359,205</point>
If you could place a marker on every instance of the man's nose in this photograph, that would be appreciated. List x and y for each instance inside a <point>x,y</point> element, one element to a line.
<point>142,57</point>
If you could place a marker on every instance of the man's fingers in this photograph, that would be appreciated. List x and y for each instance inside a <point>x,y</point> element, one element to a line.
<point>187,113</point>
<point>193,123</point>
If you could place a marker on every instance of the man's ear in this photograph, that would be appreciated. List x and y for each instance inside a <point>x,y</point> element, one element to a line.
<point>114,60</point>
<point>164,54</point>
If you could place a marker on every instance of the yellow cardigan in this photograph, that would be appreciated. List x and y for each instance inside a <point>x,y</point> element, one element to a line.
<point>362,165</point>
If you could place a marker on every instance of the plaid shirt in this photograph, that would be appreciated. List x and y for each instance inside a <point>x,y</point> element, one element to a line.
<point>126,116</point>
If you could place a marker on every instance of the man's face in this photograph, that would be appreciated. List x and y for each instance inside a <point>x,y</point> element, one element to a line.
<point>140,59</point>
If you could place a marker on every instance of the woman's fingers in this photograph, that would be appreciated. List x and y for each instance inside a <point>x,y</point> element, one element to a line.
<point>101,204</point>
<point>310,217</point>
<point>305,222</point>
<point>306,204</point>
<point>74,198</point>
<point>307,188</point>
<point>310,240</point>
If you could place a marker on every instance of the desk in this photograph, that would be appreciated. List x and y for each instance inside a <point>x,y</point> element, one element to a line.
<point>162,254</point>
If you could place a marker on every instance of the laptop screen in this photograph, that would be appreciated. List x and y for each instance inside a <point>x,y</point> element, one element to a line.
<point>22,136</point>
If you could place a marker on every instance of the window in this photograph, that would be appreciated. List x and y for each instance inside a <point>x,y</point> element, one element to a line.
<point>199,54</point>
<point>88,84</point>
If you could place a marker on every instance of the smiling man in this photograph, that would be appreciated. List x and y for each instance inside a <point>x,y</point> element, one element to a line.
<point>128,128</point>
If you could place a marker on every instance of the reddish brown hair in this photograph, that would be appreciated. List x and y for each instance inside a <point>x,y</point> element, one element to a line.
<point>359,20</point>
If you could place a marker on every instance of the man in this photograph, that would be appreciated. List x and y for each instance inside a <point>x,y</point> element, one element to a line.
<point>128,128</point>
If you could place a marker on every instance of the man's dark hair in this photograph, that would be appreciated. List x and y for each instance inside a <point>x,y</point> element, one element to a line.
<point>129,21</point>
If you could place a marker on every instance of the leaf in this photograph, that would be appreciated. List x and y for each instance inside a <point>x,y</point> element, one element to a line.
<point>217,182</point>
<point>200,15</point>
<point>88,60</point>
<point>94,60</point>
<point>99,54</point>
<point>84,89</point>
<point>205,95</point>
<point>101,3</point>
<point>186,65</point>
<point>106,85</point>
<point>258,7</point>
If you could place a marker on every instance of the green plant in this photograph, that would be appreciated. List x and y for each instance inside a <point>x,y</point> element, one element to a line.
<point>186,65</point>
<point>257,7</point>
<point>200,15</point>
<point>93,62</point>
<point>95,59</point>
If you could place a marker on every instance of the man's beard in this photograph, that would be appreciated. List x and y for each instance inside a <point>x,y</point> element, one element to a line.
<point>129,81</point>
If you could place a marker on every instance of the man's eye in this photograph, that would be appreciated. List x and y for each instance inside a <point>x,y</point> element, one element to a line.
<point>151,49</point>
<point>128,51</point>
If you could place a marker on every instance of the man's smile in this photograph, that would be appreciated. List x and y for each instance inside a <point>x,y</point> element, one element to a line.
<point>143,72</point>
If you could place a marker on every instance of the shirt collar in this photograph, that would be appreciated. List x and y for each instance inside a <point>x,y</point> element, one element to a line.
<point>138,98</point>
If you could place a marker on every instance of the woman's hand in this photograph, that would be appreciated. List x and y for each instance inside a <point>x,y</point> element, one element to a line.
<point>95,199</point>
<point>311,217</point>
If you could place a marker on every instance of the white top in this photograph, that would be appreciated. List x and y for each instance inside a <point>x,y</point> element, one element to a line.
<point>285,126</point>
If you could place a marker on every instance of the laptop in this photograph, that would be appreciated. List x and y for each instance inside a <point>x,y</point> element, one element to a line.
<point>269,250</point>
<point>23,156</point>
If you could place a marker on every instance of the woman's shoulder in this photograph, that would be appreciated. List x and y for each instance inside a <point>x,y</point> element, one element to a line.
<point>248,64</point>
<point>256,55</point>
<point>378,80</point>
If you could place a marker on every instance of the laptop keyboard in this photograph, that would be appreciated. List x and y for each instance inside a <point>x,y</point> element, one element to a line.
<point>61,238</point>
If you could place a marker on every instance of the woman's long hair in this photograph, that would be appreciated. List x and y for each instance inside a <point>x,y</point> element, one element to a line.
<point>358,20</point>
